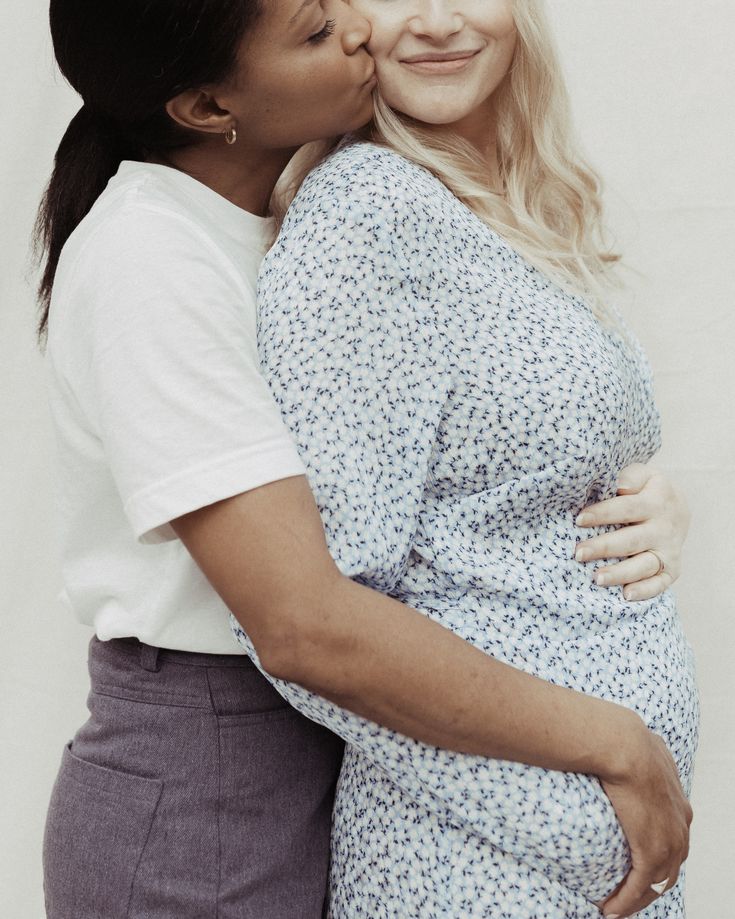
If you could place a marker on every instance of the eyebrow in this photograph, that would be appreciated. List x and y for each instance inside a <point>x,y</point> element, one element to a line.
<point>300,10</point>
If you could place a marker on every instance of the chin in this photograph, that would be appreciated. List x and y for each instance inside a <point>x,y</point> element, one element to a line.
<point>435,114</point>
<point>438,118</point>
<point>352,122</point>
<point>437,110</point>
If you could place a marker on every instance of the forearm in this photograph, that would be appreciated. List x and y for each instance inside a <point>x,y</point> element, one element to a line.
<point>386,662</point>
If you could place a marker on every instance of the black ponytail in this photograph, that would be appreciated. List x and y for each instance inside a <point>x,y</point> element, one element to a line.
<point>127,59</point>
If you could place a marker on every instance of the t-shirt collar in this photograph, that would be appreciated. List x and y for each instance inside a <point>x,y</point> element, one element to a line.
<point>244,226</point>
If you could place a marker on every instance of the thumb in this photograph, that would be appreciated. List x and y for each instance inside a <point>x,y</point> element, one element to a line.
<point>633,478</point>
<point>633,895</point>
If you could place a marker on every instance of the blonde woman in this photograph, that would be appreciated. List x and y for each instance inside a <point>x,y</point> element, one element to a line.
<point>434,325</point>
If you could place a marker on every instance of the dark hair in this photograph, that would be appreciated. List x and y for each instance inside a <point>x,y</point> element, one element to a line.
<point>126,59</point>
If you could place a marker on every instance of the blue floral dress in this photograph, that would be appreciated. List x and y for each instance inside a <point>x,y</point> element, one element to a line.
<point>455,410</point>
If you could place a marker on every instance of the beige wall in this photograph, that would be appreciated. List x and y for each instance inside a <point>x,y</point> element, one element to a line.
<point>653,85</point>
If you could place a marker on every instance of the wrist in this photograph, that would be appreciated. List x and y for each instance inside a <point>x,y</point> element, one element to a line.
<point>622,740</point>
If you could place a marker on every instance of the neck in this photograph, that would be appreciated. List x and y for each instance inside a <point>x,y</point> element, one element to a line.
<point>243,175</point>
<point>479,129</point>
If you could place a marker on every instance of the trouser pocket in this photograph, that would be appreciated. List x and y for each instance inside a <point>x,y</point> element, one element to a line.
<point>96,829</point>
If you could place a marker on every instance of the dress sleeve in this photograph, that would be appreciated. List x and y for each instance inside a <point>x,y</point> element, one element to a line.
<point>354,350</point>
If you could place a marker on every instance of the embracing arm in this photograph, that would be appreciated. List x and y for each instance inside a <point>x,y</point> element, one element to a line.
<point>265,553</point>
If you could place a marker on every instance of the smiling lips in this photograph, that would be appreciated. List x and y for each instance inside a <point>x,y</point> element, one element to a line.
<point>440,62</point>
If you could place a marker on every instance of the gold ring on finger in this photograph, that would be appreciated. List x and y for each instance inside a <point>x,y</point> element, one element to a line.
<point>661,564</point>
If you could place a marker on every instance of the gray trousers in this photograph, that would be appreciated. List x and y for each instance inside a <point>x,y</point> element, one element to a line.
<point>192,791</point>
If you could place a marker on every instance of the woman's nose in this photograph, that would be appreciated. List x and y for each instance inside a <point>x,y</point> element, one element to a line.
<point>436,19</point>
<point>356,32</point>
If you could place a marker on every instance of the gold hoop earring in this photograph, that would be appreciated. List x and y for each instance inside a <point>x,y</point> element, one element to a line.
<point>231,134</point>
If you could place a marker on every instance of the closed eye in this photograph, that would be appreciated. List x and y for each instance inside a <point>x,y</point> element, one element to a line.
<point>323,33</point>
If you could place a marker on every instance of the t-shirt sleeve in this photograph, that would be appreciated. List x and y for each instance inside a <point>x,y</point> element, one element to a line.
<point>158,343</point>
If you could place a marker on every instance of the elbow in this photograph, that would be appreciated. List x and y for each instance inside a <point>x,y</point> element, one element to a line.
<point>283,638</point>
<point>308,644</point>
<point>280,651</point>
<point>274,638</point>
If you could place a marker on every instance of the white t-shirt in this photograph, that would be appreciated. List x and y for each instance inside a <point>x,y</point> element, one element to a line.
<point>157,400</point>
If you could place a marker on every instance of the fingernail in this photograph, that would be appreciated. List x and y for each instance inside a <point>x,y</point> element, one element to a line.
<point>582,519</point>
<point>602,578</point>
<point>613,916</point>
<point>580,554</point>
<point>629,594</point>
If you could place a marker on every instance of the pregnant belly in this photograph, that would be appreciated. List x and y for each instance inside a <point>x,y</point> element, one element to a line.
<point>563,823</point>
<point>643,662</point>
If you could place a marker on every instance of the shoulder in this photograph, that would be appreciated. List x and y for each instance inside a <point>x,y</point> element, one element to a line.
<point>369,168</point>
<point>367,178</point>
<point>130,239</point>
<point>131,229</point>
<point>364,195</point>
<point>358,249</point>
<point>137,262</point>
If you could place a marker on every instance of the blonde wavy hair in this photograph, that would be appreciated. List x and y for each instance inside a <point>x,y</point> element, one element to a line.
<point>549,207</point>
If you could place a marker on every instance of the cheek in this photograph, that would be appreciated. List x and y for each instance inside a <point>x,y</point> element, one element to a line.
<point>500,18</point>
<point>382,47</point>
<point>317,98</point>
<point>499,26</point>
<point>302,85</point>
<point>380,25</point>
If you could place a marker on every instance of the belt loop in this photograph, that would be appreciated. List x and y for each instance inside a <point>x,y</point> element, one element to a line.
<point>149,658</point>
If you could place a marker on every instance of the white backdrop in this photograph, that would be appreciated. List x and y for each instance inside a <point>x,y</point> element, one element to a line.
<point>653,84</point>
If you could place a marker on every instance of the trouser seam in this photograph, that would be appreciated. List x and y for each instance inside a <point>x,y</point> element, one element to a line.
<point>140,857</point>
<point>219,796</point>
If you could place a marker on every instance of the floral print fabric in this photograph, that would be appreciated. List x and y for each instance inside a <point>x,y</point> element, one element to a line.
<point>455,410</point>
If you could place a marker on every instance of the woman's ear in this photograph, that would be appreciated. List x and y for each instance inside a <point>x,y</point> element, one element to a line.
<point>197,110</point>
